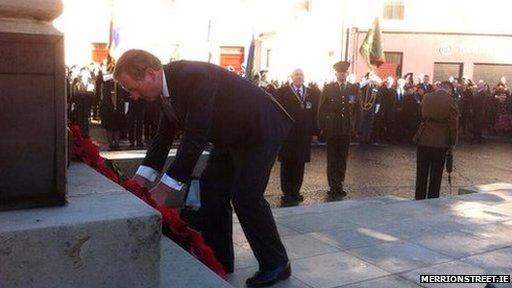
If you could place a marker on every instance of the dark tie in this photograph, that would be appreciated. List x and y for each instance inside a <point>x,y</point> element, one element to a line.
<point>299,94</point>
<point>169,111</point>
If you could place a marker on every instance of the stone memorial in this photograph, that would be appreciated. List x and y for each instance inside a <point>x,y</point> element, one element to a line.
<point>32,96</point>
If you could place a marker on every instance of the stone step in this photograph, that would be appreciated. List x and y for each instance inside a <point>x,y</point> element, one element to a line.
<point>179,269</point>
<point>104,237</point>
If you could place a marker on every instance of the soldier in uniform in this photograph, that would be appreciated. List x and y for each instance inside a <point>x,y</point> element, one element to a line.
<point>302,104</point>
<point>337,115</point>
<point>436,135</point>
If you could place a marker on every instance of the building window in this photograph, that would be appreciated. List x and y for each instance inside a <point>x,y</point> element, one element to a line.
<point>444,70</point>
<point>394,9</point>
<point>393,65</point>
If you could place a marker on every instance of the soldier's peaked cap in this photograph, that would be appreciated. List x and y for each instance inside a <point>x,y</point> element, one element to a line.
<point>341,66</point>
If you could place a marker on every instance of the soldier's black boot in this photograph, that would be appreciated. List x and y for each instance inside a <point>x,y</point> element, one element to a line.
<point>287,201</point>
<point>337,193</point>
<point>298,198</point>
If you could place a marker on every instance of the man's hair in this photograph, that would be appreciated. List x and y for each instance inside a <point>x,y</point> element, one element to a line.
<point>134,63</point>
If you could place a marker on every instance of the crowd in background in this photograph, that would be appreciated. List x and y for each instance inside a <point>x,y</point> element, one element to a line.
<point>93,95</point>
<point>390,109</point>
<point>389,112</point>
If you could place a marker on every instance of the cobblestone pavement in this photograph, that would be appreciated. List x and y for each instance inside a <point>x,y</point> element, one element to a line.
<point>391,170</point>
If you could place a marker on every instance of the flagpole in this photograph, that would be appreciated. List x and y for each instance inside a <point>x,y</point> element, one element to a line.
<point>110,35</point>
<point>208,40</point>
<point>111,24</point>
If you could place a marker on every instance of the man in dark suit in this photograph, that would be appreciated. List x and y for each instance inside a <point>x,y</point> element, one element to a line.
<point>385,118</point>
<point>246,127</point>
<point>338,112</point>
<point>302,104</point>
<point>425,84</point>
<point>135,122</point>
<point>477,111</point>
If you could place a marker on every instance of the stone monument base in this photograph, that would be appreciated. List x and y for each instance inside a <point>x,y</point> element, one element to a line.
<point>104,237</point>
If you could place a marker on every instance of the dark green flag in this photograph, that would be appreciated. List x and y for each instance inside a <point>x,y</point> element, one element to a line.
<point>371,49</point>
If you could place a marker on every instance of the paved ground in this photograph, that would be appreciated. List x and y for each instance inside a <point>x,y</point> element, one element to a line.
<point>390,170</point>
<point>389,241</point>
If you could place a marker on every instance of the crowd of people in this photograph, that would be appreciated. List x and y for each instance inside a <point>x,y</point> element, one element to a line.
<point>390,109</point>
<point>248,129</point>
<point>373,111</point>
<point>94,95</point>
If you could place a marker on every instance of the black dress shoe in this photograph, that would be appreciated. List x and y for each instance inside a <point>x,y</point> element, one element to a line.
<point>271,277</point>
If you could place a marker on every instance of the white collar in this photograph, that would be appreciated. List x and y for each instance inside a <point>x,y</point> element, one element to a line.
<point>295,87</point>
<point>165,89</point>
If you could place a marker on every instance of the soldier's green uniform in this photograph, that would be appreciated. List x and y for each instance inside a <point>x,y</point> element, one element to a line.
<point>338,112</point>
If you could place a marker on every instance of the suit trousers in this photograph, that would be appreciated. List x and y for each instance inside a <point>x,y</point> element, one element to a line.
<point>292,175</point>
<point>337,153</point>
<point>240,176</point>
<point>429,170</point>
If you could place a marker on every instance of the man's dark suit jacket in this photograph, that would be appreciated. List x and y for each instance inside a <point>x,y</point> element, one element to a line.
<point>212,105</point>
<point>297,146</point>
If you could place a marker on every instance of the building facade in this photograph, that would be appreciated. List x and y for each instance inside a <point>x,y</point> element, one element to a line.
<point>436,37</point>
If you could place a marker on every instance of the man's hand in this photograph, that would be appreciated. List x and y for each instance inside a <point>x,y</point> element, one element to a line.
<point>143,182</point>
<point>166,196</point>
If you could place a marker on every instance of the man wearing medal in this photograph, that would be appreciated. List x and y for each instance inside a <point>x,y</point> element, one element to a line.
<point>302,104</point>
<point>337,117</point>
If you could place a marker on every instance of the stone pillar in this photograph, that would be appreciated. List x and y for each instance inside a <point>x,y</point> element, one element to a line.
<point>32,105</point>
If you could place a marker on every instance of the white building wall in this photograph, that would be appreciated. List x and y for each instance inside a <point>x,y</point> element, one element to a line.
<point>422,50</point>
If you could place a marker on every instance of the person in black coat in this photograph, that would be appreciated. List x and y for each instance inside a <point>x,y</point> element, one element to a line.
<point>385,118</point>
<point>466,103</point>
<point>83,98</point>
<point>425,84</point>
<point>112,110</point>
<point>478,111</point>
<point>302,104</point>
<point>399,126</point>
<point>135,122</point>
<point>411,112</point>
<point>246,127</point>
<point>151,118</point>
